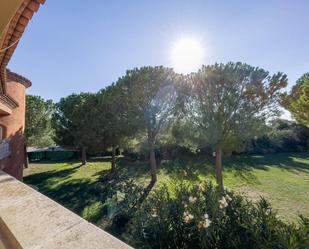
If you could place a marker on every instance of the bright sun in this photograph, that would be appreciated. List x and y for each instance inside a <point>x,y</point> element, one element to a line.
<point>187,55</point>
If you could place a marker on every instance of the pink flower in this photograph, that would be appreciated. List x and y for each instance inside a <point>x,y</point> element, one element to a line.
<point>204,223</point>
<point>192,199</point>
<point>187,217</point>
<point>227,197</point>
<point>223,203</point>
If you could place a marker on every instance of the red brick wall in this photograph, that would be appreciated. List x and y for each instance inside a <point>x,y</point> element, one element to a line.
<point>14,130</point>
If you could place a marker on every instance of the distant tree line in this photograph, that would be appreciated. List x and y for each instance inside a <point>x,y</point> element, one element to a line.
<point>222,109</point>
<point>281,136</point>
<point>39,131</point>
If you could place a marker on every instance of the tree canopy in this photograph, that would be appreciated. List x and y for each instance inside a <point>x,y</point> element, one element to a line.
<point>38,131</point>
<point>151,102</point>
<point>222,106</point>
<point>73,124</point>
<point>229,103</point>
<point>113,125</point>
<point>298,100</point>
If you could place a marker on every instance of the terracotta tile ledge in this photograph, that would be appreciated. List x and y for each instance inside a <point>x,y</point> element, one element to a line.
<point>37,222</point>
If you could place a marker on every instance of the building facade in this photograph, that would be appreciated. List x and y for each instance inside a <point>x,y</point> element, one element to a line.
<point>14,17</point>
<point>12,126</point>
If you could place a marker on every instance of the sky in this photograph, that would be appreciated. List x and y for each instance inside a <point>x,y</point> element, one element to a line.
<point>77,46</point>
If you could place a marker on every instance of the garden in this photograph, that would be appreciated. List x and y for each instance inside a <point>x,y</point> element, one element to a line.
<point>182,161</point>
<point>281,179</point>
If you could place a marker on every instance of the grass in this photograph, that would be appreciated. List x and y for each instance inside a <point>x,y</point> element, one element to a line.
<point>282,178</point>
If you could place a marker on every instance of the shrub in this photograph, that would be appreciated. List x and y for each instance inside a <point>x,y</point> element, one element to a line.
<point>284,136</point>
<point>200,217</point>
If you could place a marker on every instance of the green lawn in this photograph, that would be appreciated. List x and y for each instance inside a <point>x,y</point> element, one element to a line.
<point>282,178</point>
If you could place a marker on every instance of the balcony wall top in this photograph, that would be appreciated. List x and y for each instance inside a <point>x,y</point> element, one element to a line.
<point>38,222</point>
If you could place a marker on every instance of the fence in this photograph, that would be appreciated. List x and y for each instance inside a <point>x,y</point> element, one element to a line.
<point>52,155</point>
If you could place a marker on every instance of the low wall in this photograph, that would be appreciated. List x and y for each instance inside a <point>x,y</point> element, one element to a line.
<point>38,222</point>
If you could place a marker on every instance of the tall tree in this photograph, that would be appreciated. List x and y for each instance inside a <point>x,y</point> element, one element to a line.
<point>152,97</point>
<point>38,131</point>
<point>113,124</point>
<point>229,103</point>
<point>73,120</point>
<point>297,102</point>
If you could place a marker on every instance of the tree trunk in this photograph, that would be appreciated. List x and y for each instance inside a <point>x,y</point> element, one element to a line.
<point>84,156</point>
<point>153,163</point>
<point>26,162</point>
<point>113,169</point>
<point>219,168</point>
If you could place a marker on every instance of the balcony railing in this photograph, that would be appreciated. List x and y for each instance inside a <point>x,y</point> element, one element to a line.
<point>4,149</point>
<point>30,220</point>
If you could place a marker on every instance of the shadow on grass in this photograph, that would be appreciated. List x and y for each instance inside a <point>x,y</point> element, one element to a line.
<point>42,177</point>
<point>243,166</point>
<point>128,169</point>
<point>240,166</point>
<point>284,161</point>
<point>85,197</point>
<point>81,194</point>
<point>190,168</point>
<point>195,167</point>
<point>74,194</point>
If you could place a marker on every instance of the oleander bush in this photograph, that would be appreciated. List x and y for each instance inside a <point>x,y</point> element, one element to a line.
<point>200,216</point>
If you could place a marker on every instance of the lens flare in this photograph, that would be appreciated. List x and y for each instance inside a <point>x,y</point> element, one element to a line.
<point>187,55</point>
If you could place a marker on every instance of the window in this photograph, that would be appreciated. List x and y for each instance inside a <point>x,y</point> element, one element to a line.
<point>2,132</point>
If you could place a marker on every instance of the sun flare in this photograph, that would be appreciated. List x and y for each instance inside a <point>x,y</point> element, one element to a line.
<point>187,55</point>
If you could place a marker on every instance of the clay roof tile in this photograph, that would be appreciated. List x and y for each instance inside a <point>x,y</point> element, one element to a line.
<point>10,38</point>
